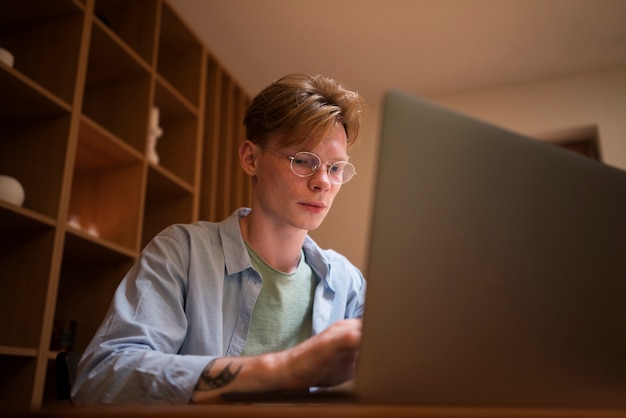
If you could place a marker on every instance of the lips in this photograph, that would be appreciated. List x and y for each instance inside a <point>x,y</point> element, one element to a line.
<point>317,206</point>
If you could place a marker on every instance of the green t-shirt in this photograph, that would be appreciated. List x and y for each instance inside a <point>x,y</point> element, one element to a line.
<point>282,315</point>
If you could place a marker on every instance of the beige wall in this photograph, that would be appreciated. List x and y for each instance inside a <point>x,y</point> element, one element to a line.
<point>595,98</point>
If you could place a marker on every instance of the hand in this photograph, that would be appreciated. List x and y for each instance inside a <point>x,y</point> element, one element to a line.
<point>326,359</point>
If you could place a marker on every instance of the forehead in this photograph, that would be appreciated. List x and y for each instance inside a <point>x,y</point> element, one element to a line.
<point>299,138</point>
<point>333,144</point>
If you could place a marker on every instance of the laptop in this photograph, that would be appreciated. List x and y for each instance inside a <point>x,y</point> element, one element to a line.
<point>497,269</point>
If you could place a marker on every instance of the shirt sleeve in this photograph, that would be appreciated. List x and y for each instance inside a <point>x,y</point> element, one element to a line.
<point>133,357</point>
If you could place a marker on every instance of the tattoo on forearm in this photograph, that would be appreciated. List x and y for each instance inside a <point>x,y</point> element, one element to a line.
<point>223,378</point>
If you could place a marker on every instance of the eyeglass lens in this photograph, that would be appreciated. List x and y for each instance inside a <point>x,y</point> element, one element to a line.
<point>306,164</point>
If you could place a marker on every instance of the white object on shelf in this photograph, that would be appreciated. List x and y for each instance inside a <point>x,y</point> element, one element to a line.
<point>154,117</point>
<point>6,57</point>
<point>74,221</point>
<point>153,135</point>
<point>11,190</point>
<point>93,230</point>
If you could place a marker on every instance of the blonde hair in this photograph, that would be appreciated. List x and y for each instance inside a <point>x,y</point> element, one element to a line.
<point>302,108</point>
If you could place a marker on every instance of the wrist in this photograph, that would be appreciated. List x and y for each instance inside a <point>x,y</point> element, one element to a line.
<point>275,368</point>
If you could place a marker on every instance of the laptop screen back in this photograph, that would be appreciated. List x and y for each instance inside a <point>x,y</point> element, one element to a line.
<point>497,269</point>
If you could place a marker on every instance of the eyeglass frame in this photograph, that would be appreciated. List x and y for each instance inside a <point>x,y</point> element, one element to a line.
<point>330,165</point>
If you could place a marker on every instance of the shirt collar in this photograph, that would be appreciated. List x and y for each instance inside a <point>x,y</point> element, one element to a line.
<point>237,259</point>
<point>319,262</point>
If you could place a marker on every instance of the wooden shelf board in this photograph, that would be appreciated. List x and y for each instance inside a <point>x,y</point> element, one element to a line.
<point>17,351</point>
<point>28,99</point>
<point>98,148</point>
<point>18,218</point>
<point>83,247</point>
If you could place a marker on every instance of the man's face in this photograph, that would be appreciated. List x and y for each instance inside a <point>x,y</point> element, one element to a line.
<point>289,201</point>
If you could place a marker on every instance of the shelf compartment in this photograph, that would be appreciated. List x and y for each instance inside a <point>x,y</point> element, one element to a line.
<point>178,146</point>
<point>167,202</point>
<point>16,381</point>
<point>108,179</point>
<point>44,38</point>
<point>133,21</point>
<point>25,259</point>
<point>33,144</point>
<point>179,55</point>
<point>117,89</point>
<point>33,150</point>
<point>85,292</point>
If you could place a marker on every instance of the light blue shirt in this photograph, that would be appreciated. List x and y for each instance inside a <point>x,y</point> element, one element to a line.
<point>188,300</point>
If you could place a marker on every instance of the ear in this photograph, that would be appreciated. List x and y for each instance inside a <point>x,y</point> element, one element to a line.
<point>248,157</point>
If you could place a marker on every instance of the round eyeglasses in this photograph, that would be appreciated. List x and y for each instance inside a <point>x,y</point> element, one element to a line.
<point>305,164</point>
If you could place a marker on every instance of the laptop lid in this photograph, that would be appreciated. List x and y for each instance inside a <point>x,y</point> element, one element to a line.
<point>497,268</point>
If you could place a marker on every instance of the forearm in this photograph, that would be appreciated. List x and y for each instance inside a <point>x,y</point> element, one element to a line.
<point>326,359</point>
<point>265,372</point>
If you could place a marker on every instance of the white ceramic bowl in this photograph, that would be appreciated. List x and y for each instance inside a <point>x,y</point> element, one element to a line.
<point>6,57</point>
<point>11,190</point>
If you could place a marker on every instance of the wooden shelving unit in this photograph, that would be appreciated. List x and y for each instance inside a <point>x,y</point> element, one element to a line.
<point>76,117</point>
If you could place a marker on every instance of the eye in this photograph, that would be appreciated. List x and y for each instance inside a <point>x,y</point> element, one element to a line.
<point>305,161</point>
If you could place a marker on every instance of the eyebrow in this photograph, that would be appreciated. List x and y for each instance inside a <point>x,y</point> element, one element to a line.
<point>344,158</point>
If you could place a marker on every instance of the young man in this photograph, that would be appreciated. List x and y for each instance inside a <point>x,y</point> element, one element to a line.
<point>251,303</point>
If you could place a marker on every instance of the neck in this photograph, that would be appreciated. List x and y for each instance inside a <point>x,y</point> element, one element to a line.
<point>281,249</point>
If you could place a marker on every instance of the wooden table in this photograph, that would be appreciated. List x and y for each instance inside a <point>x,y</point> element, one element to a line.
<point>318,411</point>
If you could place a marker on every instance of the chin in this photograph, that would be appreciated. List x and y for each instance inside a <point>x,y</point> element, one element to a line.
<point>312,225</point>
<point>313,228</point>
<point>311,222</point>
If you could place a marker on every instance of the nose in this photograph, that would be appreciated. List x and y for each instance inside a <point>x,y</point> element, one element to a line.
<point>320,180</point>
